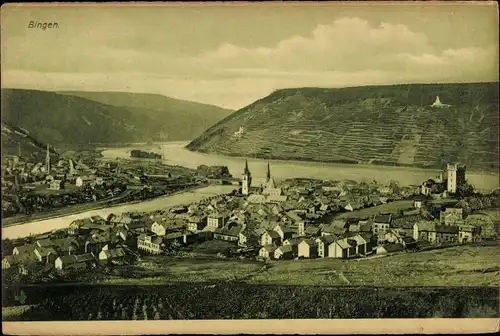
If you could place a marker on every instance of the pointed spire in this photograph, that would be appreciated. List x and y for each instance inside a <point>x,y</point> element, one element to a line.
<point>268,172</point>
<point>246,171</point>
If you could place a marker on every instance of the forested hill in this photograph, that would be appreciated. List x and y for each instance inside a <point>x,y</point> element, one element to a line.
<point>68,119</point>
<point>179,119</point>
<point>390,125</point>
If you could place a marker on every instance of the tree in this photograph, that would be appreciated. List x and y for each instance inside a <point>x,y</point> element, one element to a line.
<point>465,206</point>
<point>464,190</point>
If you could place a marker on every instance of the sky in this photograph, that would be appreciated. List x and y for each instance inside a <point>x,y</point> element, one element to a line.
<point>231,55</point>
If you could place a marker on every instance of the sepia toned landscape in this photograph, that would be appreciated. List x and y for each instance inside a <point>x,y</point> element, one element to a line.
<point>163,163</point>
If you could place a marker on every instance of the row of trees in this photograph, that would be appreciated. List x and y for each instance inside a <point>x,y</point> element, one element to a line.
<point>136,153</point>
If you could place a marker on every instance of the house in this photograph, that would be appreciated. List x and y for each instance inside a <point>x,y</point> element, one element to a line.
<point>312,231</point>
<point>362,246</point>
<point>112,255</point>
<point>179,237</point>
<point>389,248</point>
<point>68,246</point>
<point>393,236</point>
<point>308,248</point>
<point>354,228</point>
<point>150,244</point>
<point>469,234</point>
<point>341,248</point>
<point>294,243</point>
<point>9,261</point>
<point>267,252</point>
<point>284,252</point>
<point>96,243</point>
<point>256,199</point>
<point>409,243</point>
<point>248,238</point>
<point>216,220</point>
<point>121,220</point>
<point>276,199</point>
<point>56,185</point>
<point>139,225</point>
<point>381,224</point>
<point>337,227</point>
<point>424,230</point>
<point>48,255</point>
<point>446,234</point>
<point>229,233</point>
<point>284,232</point>
<point>451,216</point>
<point>27,251</point>
<point>324,243</point>
<point>157,228</point>
<point>65,261</point>
<point>270,237</point>
<point>406,222</point>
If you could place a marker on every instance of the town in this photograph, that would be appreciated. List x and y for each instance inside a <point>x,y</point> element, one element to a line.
<point>31,187</point>
<point>265,220</point>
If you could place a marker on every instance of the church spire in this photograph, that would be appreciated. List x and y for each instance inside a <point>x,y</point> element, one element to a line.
<point>268,172</point>
<point>246,171</point>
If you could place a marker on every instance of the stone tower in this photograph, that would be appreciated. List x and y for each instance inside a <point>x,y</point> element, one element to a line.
<point>452,178</point>
<point>246,180</point>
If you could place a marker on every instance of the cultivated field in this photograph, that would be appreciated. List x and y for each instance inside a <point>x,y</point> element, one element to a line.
<point>454,266</point>
<point>242,301</point>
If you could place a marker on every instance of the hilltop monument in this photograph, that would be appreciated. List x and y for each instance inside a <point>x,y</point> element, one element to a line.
<point>437,103</point>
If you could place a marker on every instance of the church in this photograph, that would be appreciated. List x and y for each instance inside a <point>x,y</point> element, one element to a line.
<point>265,186</point>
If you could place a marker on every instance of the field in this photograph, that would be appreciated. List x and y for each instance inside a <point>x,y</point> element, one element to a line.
<point>454,266</point>
<point>242,301</point>
<point>450,282</point>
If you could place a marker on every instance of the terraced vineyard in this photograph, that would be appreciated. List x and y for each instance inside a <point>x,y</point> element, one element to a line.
<point>391,125</point>
<point>241,301</point>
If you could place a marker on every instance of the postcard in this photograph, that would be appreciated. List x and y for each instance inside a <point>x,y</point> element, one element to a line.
<point>238,167</point>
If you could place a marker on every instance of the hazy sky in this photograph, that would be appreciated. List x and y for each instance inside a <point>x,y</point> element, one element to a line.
<point>232,55</point>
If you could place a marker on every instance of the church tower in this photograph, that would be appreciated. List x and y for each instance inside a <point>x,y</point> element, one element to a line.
<point>246,180</point>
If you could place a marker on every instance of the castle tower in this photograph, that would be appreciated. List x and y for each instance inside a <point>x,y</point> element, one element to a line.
<point>452,178</point>
<point>47,160</point>
<point>246,180</point>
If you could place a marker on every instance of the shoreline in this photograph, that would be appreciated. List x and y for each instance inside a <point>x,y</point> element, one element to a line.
<point>335,163</point>
<point>89,207</point>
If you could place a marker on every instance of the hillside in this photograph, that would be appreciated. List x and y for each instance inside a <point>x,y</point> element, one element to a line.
<point>63,119</point>
<point>390,125</point>
<point>181,119</point>
<point>17,141</point>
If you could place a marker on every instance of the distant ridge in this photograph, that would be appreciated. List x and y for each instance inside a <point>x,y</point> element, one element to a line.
<point>73,120</point>
<point>386,125</point>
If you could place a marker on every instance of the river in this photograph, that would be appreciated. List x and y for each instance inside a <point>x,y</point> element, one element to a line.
<point>41,226</point>
<point>176,154</point>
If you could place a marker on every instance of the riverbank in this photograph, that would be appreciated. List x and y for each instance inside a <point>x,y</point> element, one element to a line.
<point>78,208</point>
<point>163,202</point>
<point>177,154</point>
